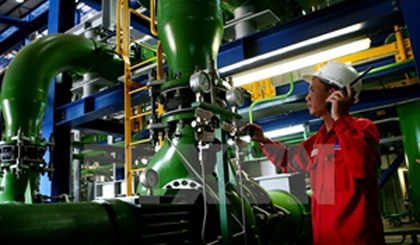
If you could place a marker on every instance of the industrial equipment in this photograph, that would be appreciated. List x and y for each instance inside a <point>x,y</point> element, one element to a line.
<point>193,190</point>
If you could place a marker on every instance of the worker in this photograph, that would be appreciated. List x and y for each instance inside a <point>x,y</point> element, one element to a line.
<point>341,159</point>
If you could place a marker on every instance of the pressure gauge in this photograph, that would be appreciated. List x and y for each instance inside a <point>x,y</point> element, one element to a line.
<point>200,82</point>
<point>235,97</point>
<point>149,178</point>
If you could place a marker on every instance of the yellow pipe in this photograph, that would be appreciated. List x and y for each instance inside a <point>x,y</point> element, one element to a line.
<point>118,31</point>
<point>159,64</point>
<point>152,18</point>
<point>140,142</point>
<point>143,45</point>
<point>127,98</point>
<point>140,108</point>
<point>138,90</point>
<point>140,115</point>
<point>400,44</point>
<point>144,17</point>
<point>142,63</point>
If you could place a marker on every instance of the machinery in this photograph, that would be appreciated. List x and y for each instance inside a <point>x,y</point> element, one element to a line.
<point>191,192</point>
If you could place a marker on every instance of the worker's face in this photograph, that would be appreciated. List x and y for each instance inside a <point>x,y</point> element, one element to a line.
<point>316,98</point>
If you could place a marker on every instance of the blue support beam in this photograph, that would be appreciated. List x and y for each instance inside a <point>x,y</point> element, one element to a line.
<point>96,106</point>
<point>13,21</point>
<point>135,21</point>
<point>60,18</point>
<point>391,169</point>
<point>410,11</point>
<point>372,15</point>
<point>18,37</point>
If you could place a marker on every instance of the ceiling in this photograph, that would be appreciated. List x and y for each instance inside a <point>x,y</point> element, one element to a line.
<point>13,9</point>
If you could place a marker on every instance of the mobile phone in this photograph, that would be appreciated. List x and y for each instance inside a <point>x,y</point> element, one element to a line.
<point>328,105</point>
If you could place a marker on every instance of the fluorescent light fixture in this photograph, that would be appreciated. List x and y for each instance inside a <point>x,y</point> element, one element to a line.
<point>301,61</point>
<point>311,41</point>
<point>285,131</point>
<point>279,132</point>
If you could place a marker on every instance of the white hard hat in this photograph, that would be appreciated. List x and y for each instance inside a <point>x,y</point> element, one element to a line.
<point>337,74</point>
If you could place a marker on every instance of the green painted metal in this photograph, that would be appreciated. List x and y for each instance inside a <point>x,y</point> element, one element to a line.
<point>295,226</point>
<point>25,90</point>
<point>410,129</point>
<point>27,80</point>
<point>14,189</point>
<point>76,223</point>
<point>169,164</point>
<point>191,33</point>
<point>178,117</point>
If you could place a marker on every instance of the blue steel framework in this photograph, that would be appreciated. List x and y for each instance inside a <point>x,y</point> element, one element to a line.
<point>61,17</point>
<point>372,14</point>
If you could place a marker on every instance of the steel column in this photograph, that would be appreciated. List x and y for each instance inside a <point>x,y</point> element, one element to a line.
<point>61,17</point>
<point>410,12</point>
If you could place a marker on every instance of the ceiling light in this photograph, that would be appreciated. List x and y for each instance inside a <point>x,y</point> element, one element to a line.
<point>284,131</point>
<point>279,132</point>
<point>311,41</point>
<point>19,1</point>
<point>298,62</point>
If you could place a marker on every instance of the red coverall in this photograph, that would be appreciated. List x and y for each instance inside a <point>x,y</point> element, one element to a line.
<point>344,183</point>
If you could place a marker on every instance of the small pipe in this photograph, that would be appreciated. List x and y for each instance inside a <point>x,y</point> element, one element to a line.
<point>153,17</point>
<point>291,89</point>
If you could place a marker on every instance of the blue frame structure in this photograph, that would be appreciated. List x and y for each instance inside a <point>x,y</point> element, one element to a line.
<point>61,17</point>
<point>373,15</point>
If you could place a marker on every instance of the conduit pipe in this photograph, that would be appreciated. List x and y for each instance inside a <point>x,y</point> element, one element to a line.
<point>25,92</point>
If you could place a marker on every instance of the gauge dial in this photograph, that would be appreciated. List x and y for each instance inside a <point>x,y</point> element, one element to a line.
<point>235,97</point>
<point>149,178</point>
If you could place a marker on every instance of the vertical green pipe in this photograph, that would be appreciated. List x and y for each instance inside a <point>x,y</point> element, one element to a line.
<point>191,33</point>
<point>25,87</point>
<point>410,129</point>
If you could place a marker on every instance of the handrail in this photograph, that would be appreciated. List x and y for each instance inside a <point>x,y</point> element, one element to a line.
<point>153,17</point>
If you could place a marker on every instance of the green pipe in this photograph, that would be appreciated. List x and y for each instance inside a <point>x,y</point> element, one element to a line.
<point>297,225</point>
<point>410,130</point>
<point>28,78</point>
<point>187,49</point>
<point>272,98</point>
<point>255,149</point>
<point>385,67</point>
<point>25,91</point>
<point>114,222</point>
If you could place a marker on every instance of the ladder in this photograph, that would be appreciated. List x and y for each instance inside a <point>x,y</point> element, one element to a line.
<point>131,87</point>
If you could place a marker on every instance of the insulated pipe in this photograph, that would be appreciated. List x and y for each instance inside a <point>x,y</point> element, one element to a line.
<point>25,92</point>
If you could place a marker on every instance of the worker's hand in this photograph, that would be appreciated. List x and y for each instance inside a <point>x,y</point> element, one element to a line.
<point>341,102</point>
<point>258,132</point>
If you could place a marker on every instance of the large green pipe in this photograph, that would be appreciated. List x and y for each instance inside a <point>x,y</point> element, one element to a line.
<point>25,91</point>
<point>410,129</point>
<point>297,225</point>
<point>77,223</point>
<point>191,33</point>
